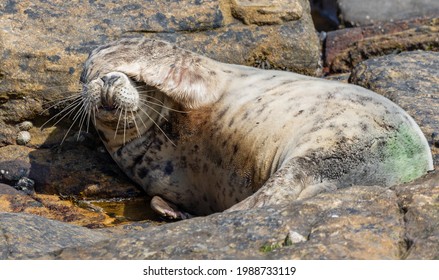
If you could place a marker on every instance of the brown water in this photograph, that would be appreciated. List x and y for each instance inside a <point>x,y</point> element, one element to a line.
<point>127,210</point>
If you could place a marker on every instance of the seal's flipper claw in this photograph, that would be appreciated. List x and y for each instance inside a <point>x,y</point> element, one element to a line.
<point>167,209</point>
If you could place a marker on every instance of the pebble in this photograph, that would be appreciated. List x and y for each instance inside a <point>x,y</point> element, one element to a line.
<point>23,137</point>
<point>25,126</point>
<point>26,185</point>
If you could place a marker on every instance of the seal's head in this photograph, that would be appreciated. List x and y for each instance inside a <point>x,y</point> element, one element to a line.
<point>121,108</point>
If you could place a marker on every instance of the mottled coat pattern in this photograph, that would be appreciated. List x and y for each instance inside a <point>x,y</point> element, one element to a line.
<point>205,136</point>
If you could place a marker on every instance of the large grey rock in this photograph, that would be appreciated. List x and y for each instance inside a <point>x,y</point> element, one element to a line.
<point>420,202</point>
<point>345,48</point>
<point>360,12</point>
<point>411,80</point>
<point>23,235</point>
<point>354,223</point>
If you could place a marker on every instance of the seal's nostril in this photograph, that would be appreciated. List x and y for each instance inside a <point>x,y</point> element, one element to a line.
<point>109,80</point>
<point>104,79</point>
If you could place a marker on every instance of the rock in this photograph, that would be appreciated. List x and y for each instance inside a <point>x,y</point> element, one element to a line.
<point>345,48</point>
<point>354,223</point>
<point>8,190</point>
<point>50,206</point>
<point>23,137</point>
<point>25,126</point>
<point>43,44</point>
<point>26,185</point>
<point>23,235</point>
<point>75,169</point>
<point>77,183</point>
<point>267,12</point>
<point>358,12</point>
<point>11,171</point>
<point>342,78</point>
<point>420,202</point>
<point>411,80</point>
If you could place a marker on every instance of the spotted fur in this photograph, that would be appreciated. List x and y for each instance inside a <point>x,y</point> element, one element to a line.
<point>210,136</point>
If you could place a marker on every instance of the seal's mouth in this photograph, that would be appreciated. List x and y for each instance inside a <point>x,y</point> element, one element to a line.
<point>116,119</point>
<point>108,108</point>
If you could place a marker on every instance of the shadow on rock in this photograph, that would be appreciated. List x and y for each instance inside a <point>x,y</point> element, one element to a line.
<point>77,177</point>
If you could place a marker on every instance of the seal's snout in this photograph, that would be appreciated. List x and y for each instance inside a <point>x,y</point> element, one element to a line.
<point>107,99</point>
<point>113,91</point>
<point>107,91</point>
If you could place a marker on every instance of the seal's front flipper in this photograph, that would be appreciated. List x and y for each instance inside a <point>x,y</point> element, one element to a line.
<point>297,179</point>
<point>190,79</point>
<point>167,209</point>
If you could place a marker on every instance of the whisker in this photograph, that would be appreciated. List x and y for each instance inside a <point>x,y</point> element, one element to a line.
<point>157,126</point>
<point>94,115</point>
<point>142,119</point>
<point>161,115</point>
<point>66,111</point>
<point>117,125</point>
<point>142,94</point>
<point>124,125</point>
<point>71,95</point>
<point>117,110</point>
<point>135,123</point>
<point>82,119</point>
<point>75,118</point>
<point>88,117</point>
<point>66,86</point>
<point>60,101</point>
<point>163,106</point>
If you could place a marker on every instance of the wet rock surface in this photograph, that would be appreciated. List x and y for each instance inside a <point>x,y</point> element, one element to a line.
<point>71,201</point>
<point>51,207</point>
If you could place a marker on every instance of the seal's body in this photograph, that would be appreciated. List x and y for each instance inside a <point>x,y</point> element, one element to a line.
<point>206,136</point>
